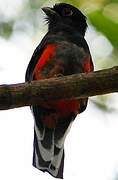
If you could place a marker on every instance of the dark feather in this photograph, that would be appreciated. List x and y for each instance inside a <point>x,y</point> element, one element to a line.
<point>67,32</point>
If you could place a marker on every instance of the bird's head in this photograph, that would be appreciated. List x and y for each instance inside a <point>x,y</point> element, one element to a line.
<point>66,14</point>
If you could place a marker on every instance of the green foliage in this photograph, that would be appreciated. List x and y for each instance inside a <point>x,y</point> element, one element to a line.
<point>6,29</point>
<point>105,26</point>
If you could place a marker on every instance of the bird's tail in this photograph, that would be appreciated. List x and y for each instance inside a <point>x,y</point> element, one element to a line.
<point>48,157</point>
<point>49,145</point>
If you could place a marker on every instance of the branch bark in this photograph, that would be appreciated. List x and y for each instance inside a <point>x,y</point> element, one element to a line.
<point>68,87</point>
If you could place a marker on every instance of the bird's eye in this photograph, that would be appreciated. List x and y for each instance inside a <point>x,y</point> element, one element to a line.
<point>67,12</point>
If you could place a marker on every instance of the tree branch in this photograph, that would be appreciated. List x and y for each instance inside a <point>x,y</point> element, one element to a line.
<point>68,87</point>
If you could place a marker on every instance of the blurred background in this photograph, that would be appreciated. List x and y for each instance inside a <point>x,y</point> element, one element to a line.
<point>91,147</point>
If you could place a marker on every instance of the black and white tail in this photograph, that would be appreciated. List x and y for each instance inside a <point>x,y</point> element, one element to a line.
<point>49,145</point>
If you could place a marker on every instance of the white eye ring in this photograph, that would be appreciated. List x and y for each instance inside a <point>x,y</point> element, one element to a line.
<point>67,12</point>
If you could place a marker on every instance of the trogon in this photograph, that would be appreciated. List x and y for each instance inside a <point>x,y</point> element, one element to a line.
<point>63,51</point>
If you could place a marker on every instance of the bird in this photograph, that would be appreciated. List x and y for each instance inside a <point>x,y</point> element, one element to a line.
<point>63,51</point>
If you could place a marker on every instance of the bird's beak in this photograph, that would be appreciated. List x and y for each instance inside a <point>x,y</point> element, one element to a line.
<point>49,11</point>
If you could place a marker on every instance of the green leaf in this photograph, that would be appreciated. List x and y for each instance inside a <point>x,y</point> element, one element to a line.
<point>105,25</point>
